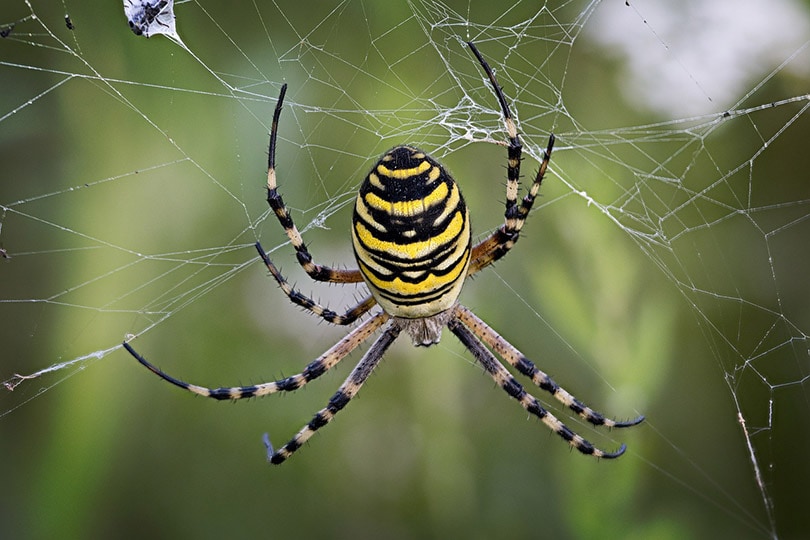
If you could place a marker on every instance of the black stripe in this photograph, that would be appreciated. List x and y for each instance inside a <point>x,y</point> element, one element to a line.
<point>395,265</point>
<point>318,421</point>
<point>277,205</point>
<point>314,370</point>
<point>289,384</point>
<point>419,298</point>
<point>413,188</point>
<point>338,401</point>
<point>290,447</point>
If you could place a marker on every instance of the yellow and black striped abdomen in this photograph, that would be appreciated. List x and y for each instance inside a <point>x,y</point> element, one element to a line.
<point>411,234</point>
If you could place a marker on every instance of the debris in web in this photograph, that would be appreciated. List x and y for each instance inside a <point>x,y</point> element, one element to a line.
<point>7,28</point>
<point>151,17</point>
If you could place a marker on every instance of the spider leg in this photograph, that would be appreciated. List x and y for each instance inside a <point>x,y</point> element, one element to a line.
<point>314,370</point>
<point>340,399</point>
<point>309,304</point>
<point>515,358</point>
<point>315,271</point>
<point>511,386</point>
<point>503,239</point>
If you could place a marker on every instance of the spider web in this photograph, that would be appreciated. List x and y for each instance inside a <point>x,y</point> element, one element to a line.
<point>664,272</point>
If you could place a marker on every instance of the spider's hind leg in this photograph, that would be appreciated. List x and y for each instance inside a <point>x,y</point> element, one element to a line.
<point>467,335</point>
<point>313,370</point>
<point>340,399</point>
<point>526,367</point>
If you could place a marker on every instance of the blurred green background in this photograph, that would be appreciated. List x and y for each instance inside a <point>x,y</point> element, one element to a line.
<point>131,196</point>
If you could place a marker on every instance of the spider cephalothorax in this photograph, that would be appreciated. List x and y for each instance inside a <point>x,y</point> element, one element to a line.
<point>412,242</point>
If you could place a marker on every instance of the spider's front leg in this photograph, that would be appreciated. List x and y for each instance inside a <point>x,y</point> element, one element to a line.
<point>504,238</point>
<point>498,244</point>
<point>315,271</point>
<point>311,305</point>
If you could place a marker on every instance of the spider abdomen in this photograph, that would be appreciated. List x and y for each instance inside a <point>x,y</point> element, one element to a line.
<point>411,234</point>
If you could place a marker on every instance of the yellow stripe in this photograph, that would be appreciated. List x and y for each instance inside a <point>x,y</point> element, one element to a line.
<point>402,174</point>
<point>462,246</point>
<point>408,208</point>
<point>362,211</point>
<point>450,206</point>
<point>414,249</point>
<point>374,180</point>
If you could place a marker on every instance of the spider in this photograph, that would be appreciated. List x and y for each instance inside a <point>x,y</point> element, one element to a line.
<point>413,246</point>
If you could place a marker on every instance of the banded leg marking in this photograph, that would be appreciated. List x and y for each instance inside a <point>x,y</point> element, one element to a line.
<point>498,244</point>
<point>315,271</point>
<point>309,304</point>
<point>340,399</point>
<point>504,238</point>
<point>514,389</point>
<point>515,358</point>
<point>313,370</point>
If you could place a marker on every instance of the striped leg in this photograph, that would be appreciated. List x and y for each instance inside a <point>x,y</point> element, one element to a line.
<point>309,304</point>
<point>315,271</point>
<point>340,399</point>
<point>515,358</point>
<point>314,370</point>
<point>504,238</point>
<point>512,387</point>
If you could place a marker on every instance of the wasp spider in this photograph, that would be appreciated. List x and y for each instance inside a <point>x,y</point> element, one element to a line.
<point>413,245</point>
